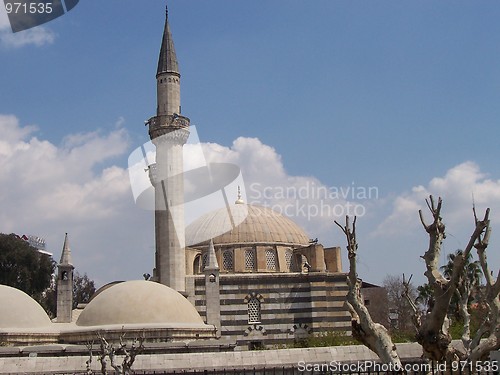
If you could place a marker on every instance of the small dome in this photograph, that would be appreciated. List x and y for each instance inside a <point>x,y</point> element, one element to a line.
<point>139,302</point>
<point>19,310</point>
<point>247,224</point>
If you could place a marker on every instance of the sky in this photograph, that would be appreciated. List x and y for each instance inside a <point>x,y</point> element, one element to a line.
<point>327,107</point>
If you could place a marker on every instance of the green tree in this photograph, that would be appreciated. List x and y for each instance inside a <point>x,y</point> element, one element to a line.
<point>425,297</point>
<point>23,267</point>
<point>469,279</point>
<point>83,289</point>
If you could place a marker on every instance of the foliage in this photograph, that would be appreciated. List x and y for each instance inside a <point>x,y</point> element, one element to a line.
<point>425,297</point>
<point>49,300</point>
<point>23,267</point>
<point>330,338</point>
<point>403,336</point>
<point>470,278</point>
<point>83,289</point>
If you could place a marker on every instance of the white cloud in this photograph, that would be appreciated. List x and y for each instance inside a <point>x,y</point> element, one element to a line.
<point>48,190</point>
<point>306,200</point>
<point>459,187</point>
<point>38,36</point>
<point>399,240</point>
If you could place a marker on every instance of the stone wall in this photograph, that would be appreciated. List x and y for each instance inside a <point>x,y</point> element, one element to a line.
<point>292,306</point>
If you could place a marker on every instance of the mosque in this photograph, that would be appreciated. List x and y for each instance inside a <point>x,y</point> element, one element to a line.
<point>238,278</point>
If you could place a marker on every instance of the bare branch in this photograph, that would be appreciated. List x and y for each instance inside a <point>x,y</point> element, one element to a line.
<point>371,334</point>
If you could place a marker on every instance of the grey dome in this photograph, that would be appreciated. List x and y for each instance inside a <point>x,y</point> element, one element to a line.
<point>245,225</point>
<point>19,310</point>
<point>139,302</point>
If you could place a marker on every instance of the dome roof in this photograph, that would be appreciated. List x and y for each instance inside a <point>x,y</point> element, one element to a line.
<point>139,302</point>
<point>19,310</point>
<point>246,224</point>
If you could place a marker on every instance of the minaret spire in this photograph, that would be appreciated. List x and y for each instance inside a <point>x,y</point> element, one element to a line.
<point>167,62</point>
<point>66,253</point>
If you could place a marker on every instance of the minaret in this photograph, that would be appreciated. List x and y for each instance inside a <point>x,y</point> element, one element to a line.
<point>65,285</point>
<point>212,291</point>
<point>169,131</point>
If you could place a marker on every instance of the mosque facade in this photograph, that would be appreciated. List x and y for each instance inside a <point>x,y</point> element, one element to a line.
<point>249,271</point>
<point>258,283</point>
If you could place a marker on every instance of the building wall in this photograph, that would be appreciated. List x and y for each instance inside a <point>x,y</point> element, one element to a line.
<point>292,306</point>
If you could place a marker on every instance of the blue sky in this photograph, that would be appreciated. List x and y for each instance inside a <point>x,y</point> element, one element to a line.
<point>401,96</point>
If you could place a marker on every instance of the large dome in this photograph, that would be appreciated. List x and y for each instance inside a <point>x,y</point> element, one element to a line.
<point>243,224</point>
<point>139,302</point>
<point>18,310</point>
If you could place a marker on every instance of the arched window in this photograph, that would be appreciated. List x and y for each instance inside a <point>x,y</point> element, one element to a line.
<point>196,264</point>
<point>250,261</point>
<point>271,263</point>
<point>253,310</point>
<point>228,260</point>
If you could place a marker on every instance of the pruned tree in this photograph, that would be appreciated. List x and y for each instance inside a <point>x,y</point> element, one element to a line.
<point>115,353</point>
<point>433,332</point>
<point>432,326</point>
<point>490,329</point>
<point>374,335</point>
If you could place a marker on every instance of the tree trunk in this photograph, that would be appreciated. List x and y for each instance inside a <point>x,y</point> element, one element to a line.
<point>373,335</point>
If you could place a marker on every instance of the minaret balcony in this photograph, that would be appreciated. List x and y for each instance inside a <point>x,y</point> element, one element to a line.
<point>162,124</point>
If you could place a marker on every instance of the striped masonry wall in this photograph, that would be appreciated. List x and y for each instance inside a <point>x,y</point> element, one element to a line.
<point>292,306</point>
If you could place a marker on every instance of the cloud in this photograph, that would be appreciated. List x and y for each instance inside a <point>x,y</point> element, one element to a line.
<point>306,200</point>
<point>37,36</point>
<point>398,240</point>
<point>48,190</point>
<point>459,187</point>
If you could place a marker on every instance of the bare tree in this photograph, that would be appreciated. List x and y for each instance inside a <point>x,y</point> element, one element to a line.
<point>398,303</point>
<point>107,350</point>
<point>374,335</point>
<point>433,332</point>
<point>432,326</point>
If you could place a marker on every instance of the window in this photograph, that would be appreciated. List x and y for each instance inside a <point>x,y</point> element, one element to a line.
<point>253,310</point>
<point>196,265</point>
<point>271,259</point>
<point>250,261</point>
<point>288,259</point>
<point>228,260</point>
<point>204,261</point>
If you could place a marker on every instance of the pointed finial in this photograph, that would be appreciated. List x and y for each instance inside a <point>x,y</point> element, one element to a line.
<point>212,263</point>
<point>239,200</point>
<point>66,252</point>
<point>167,61</point>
